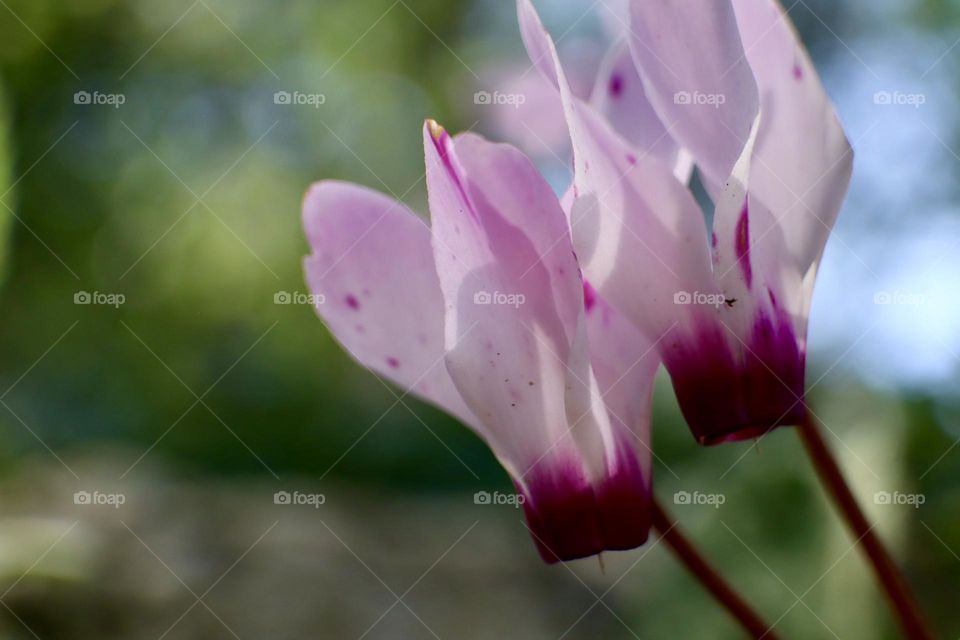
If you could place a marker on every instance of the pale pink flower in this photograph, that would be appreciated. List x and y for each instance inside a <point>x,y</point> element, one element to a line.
<point>729,84</point>
<point>484,313</point>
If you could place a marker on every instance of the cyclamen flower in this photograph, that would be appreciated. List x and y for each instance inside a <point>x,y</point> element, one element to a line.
<point>485,314</point>
<point>729,84</point>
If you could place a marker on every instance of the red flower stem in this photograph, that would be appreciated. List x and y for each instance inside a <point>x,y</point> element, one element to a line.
<point>684,550</point>
<point>908,613</point>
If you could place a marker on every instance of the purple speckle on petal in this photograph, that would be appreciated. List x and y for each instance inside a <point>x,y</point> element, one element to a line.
<point>393,362</point>
<point>632,159</point>
<point>797,72</point>
<point>589,296</point>
<point>616,85</point>
<point>743,244</point>
<point>352,302</point>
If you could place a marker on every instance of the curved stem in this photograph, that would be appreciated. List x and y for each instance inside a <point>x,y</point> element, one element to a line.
<point>908,613</point>
<point>684,550</point>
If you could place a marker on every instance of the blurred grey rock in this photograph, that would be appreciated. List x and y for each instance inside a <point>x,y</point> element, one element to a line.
<point>150,557</point>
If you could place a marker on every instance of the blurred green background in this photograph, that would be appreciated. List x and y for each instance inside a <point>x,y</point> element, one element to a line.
<point>200,396</point>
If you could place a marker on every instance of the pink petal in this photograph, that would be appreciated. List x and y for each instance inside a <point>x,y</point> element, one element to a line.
<point>638,231</point>
<point>373,266</point>
<point>803,160</point>
<point>517,346</point>
<point>625,363</point>
<point>696,77</point>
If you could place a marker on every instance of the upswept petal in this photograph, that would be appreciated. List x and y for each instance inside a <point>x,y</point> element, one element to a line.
<point>373,276</point>
<point>638,231</point>
<point>517,349</point>
<point>697,78</point>
<point>803,161</point>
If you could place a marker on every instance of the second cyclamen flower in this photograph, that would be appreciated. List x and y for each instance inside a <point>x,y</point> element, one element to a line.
<point>773,158</point>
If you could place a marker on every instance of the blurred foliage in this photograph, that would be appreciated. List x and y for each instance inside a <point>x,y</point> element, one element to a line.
<point>7,186</point>
<point>200,277</point>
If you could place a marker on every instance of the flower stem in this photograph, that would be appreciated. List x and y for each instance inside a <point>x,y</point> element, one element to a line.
<point>684,550</point>
<point>908,613</point>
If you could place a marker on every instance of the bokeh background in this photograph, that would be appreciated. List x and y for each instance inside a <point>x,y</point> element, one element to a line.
<point>203,394</point>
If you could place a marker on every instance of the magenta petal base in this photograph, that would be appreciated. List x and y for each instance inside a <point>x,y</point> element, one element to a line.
<point>569,519</point>
<point>724,398</point>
